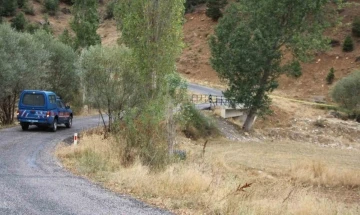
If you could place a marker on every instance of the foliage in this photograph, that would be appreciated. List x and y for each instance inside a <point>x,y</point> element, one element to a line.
<point>214,7</point>
<point>196,125</point>
<point>356,27</point>
<point>67,39</point>
<point>19,22</point>
<point>85,23</point>
<point>28,9</point>
<point>330,76</point>
<point>153,30</point>
<point>23,65</point>
<point>21,3</point>
<point>61,76</point>
<point>51,6</point>
<point>190,4</point>
<point>32,28</point>
<point>110,7</point>
<point>109,80</point>
<point>348,45</point>
<point>68,2</point>
<point>249,42</point>
<point>8,7</point>
<point>346,92</point>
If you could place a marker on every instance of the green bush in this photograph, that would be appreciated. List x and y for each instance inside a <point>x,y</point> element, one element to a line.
<point>346,92</point>
<point>214,8</point>
<point>29,9</point>
<point>190,4</point>
<point>19,22</point>
<point>348,45</point>
<point>197,125</point>
<point>330,76</point>
<point>356,27</point>
<point>68,2</point>
<point>109,14</point>
<point>51,6</point>
<point>21,3</point>
<point>8,7</point>
<point>32,27</point>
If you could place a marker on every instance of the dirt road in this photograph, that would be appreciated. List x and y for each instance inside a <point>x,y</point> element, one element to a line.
<point>32,181</point>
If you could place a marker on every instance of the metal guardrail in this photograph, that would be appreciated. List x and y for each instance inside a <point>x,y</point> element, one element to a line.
<point>212,99</point>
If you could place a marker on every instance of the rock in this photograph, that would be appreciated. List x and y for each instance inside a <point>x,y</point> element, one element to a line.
<point>65,10</point>
<point>319,99</point>
<point>357,59</point>
<point>334,43</point>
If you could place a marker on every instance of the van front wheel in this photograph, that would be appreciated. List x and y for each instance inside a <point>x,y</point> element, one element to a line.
<point>54,125</point>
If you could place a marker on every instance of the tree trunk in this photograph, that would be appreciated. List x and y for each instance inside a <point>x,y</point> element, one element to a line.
<point>249,120</point>
<point>170,130</point>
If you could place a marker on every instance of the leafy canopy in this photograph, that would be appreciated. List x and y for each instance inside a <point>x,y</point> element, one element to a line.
<point>251,39</point>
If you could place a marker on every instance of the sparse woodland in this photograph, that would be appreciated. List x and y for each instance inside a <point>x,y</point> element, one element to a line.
<point>154,144</point>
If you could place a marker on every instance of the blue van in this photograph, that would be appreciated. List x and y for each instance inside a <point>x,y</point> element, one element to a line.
<point>43,109</point>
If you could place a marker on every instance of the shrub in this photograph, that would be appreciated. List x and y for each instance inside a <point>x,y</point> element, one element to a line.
<point>110,10</point>
<point>346,92</point>
<point>214,8</point>
<point>197,125</point>
<point>330,76</point>
<point>67,39</point>
<point>19,22</point>
<point>29,9</point>
<point>190,4</point>
<point>51,6</point>
<point>68,2</point>
<point>356,27</point>
<point>21,3</point>
<point>9,7</point>
<point>348,45</point>
<point>32,27</point>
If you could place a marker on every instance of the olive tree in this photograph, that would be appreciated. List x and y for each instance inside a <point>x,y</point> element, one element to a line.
<point>250,41</point>
<point>108,77</point>
<point>346,92</point>
<point>23,64</point>
<point>61,75</point>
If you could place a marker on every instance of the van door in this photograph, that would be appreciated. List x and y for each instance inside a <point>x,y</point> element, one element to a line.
<point>61,112</point>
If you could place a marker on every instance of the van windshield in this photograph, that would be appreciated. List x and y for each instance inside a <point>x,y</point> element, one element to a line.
<point>34,100</point>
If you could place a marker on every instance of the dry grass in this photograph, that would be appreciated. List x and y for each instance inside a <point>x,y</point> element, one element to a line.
<point>286,178</point>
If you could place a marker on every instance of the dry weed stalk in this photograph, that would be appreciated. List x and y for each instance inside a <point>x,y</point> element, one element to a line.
<point>204,148</point>
<point>240,188</point>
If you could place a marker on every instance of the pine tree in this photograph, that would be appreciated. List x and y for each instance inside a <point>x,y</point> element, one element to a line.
<point>85,23</point>
<point>348,45</point>
<point>8,7</point>
<point>214,8</point>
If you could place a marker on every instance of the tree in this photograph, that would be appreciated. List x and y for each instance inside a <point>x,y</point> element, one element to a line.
<point>8,7</point>
<point>348,45</point>
<point>249,42</point>
<point>153,30</point>
<point>110,83</point>
<point>356,27</point>
<point>346,92</point>
<point>214,7</point>
<point>330,76</point>
<point>85,23</point>
<point>23,63</point>
<point>61,75</point>
<point>19,22</point>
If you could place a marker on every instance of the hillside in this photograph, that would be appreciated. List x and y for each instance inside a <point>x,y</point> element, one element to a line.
<point>194,64</point>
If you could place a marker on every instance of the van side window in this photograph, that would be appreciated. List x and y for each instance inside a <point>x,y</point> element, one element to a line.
<point>52,99</point>
<point>60,104</point>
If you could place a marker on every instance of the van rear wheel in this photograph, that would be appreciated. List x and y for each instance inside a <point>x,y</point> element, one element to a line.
<point>69,123</point>
<point>24,126</point>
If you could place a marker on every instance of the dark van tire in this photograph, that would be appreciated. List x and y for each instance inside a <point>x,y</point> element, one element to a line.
<point>69,123</point>
<point>54,125</point>
<point>24,126</point>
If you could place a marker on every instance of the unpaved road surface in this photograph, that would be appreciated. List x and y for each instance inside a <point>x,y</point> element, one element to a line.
<point>32,181</point>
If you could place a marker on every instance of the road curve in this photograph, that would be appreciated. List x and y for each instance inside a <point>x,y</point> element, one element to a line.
<point>32,181</point>
<point>203,90</point>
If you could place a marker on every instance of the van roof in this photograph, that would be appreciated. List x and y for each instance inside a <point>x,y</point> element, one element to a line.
<point>39,91</point>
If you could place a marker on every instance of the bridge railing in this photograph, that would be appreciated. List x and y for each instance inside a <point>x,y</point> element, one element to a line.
<point>212,99</point>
